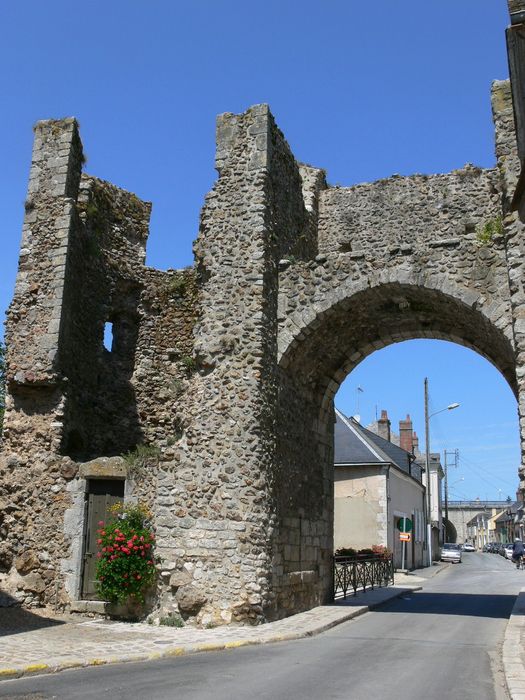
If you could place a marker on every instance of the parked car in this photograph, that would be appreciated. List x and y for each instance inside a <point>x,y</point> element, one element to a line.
<point>508,551</point>
<point>451,552</point>
<point>468,547</point>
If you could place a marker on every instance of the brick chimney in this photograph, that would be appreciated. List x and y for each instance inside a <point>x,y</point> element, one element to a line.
<point>415,443</point>
<point>406,434</point>
<point>383,426</point>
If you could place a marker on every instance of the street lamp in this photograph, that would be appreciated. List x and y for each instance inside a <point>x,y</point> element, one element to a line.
<point>450,407</point>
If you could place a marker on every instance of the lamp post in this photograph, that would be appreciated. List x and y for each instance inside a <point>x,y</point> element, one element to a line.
<point>427,466</point>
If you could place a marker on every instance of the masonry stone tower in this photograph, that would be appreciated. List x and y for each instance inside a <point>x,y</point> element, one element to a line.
<point>224,374</point>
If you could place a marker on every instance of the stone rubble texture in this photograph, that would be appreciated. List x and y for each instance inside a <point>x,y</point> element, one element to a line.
<point>229,369</point>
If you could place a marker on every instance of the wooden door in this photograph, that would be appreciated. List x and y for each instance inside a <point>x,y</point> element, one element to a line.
<point>101,495</point>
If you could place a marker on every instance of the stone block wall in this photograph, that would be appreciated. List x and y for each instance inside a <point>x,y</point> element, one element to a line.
<point>228,370</point>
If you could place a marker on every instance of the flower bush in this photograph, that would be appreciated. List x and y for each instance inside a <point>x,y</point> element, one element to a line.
<point>125,566</point>
<point>377,550</point>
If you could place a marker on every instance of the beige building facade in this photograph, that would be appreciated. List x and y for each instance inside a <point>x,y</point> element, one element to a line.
<point>376,485</point>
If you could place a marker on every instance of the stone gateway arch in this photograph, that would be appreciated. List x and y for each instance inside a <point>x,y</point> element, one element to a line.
<point>214,403</point>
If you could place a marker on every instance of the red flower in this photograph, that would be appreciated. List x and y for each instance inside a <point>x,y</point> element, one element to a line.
<point>99,541</point>
<point>101,522</point>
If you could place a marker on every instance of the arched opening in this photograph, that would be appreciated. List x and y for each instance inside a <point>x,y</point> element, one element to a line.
<point>451,533</point>
<point>313,366</point>
<point>474,450</point>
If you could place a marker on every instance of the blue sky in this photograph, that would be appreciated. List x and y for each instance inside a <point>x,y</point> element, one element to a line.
<point>363,89</point>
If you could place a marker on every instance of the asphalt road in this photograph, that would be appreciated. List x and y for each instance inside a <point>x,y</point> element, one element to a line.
<point>443,642</point>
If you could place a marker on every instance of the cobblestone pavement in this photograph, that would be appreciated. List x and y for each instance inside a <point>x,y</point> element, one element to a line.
<point>35,643</point>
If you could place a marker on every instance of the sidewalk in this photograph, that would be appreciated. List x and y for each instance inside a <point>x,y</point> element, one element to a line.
<point>34,644</point>
<point>513,653</point>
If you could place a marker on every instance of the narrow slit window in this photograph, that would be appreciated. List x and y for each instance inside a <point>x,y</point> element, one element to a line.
<point>108,336</point>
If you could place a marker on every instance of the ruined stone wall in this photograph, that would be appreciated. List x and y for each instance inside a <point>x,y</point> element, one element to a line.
<point>396,216</point>
<point>396,259</point>
<point>69,398</point>
<point>514,225</point>
<point>219,511</point>
<point>386,260</point>
<point>33,477</point>
<point>104,284</point>
<point>227,371</point>
<point>417,257</point>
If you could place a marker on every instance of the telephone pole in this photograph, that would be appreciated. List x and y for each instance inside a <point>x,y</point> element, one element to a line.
<point>455,454</point>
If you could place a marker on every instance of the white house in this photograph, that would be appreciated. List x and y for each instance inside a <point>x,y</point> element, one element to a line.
<point>377,484</point>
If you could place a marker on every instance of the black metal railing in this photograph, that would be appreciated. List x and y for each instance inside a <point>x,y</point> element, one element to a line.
<point>359,573</point>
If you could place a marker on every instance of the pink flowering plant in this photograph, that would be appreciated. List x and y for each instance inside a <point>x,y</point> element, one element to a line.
<point>125,566</point>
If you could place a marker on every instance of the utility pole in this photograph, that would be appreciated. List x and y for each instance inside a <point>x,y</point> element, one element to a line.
<point>428,416</point>
<point>427,469</point>
<point>455,454</point>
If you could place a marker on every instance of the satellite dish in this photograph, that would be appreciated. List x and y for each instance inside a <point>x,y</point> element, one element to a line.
<point>357,418</point>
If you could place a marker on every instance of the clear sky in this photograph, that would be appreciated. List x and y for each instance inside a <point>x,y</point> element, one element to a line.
<point>363,89</point>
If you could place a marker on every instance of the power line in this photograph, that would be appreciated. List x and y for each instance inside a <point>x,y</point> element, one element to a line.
<point>473,465</point>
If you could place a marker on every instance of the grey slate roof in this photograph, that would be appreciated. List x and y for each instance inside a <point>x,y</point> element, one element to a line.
<point>354,444</point>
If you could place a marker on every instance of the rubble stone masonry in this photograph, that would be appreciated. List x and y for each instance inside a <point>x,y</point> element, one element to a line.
<point>227,370</point>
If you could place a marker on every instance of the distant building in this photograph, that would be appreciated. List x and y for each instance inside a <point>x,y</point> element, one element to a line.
<point>461,513</point>
<point>511,522</point>
<point>481,529</point>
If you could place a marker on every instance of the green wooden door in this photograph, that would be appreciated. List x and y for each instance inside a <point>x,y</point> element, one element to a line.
<point>102,494</point>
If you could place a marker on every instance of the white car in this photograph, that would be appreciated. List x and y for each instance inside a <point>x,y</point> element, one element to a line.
<point>451,552</point>
<point>468,547</point>
<point>508,551</point>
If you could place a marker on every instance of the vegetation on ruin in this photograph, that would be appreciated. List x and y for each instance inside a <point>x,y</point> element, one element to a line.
<point>177,284</point>
<point>2,385</point>
<point>171,621</point>
<point>486,231</point>
<point>139,458</point>
<point>177,386</point>
<point>125,567</point>
<point>189,363</point>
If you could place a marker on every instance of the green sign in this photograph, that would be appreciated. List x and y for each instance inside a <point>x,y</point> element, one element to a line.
<point>404,525</point>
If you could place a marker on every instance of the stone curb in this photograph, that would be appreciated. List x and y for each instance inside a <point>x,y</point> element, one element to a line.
<point>311,630</point>
<point>513,662</point>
